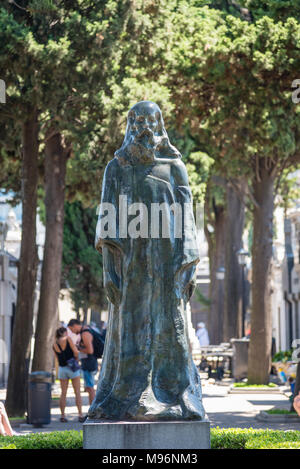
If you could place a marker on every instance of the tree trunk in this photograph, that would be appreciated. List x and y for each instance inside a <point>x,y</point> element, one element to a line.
<point>216,252</point>
<point>23,325</point>
<point>85,315</point>
<point>235,214</point>
<point>55,172</point>
<point>259,361</point>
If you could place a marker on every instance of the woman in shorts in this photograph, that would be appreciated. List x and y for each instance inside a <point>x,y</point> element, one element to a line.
<point>65,349</point>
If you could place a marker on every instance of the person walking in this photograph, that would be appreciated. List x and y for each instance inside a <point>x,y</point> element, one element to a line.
<point>202,334</point>
<point>67,353</point>
<point>75,337</point>
<point>89,363</point>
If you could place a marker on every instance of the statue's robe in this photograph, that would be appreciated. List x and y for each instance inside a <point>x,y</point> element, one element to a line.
<point>147,371</point>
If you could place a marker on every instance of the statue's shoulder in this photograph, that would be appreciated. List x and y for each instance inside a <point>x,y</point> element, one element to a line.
<point>179,172</point>
<point>111,168</point>
<point>113,164</point>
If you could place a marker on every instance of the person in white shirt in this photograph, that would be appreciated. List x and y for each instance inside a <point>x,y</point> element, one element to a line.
<point>75,337</point>
<point>202,334</point>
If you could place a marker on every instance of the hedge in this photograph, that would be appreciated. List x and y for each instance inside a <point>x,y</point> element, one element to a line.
<point>251,438</point>
<point>221,438</point>
<point>55,440</point>
<point>245,384</point>
<point>280,412</point>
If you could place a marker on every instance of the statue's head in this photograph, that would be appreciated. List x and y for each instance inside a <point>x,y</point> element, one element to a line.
<point>146,138</point>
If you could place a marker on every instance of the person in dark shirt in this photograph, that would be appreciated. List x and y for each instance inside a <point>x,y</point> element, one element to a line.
<point>65,349</point>
<point>89,364</point>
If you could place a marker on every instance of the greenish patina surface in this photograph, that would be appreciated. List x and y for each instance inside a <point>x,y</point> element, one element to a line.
<point>147,371</point>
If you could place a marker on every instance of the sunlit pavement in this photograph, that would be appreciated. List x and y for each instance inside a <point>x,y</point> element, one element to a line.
<point>71,412</point>
<point>227,410</point>
<point>223,409</point>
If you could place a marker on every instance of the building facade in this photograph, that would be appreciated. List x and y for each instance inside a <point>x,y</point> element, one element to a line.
<point>286,275</point>
<point>10,240</point>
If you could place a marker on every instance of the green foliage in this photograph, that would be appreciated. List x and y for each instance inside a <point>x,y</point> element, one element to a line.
<point>289,191</point>
<point>230,438</point>
<point>212,72</point>
<point>201,298</point>
<point>81,263</point>
<point>224,85</point>
<point>249,438</point>
<point>54,440</point>
<point>259,444</point>
<point>82,64</point>
<point>282,356</point>
<point>198,167</point>
<point>231,81</point>
<point>278,9</point>
<point>274,440</point>
<point>280,412</point>
<point>221,438</point>
<point>260,386</point>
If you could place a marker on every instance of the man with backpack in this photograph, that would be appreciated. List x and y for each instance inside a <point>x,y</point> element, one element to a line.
<point>91,347</point>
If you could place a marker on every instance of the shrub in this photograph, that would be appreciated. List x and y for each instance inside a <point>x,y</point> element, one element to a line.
<point>221,438</point>
<point>274,439</point>
<point>250,438</point>
<point>231,438</point>
<point>54,440</point>
<point>280,412</point>
<point>283,356</point>
<point>246,385</point>
<point>284,445</point>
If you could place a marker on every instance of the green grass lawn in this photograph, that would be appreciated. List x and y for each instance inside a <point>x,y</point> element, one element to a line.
<point>280,412</point>
<point>244,384</point>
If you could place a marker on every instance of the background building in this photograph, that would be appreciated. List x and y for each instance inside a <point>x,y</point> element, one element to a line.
<point>10,242</point>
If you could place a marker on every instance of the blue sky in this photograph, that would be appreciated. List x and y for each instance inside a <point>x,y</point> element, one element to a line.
<point>5,206</point>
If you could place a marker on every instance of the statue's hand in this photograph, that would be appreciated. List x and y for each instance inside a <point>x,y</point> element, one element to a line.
<point>185,283</point>
<point>113,293</point>
<point>112,281</point>
<point>188,291</point>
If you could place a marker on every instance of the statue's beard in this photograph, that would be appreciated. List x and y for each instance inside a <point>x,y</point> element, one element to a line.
<point>146,147</point>
<point>142,147</point>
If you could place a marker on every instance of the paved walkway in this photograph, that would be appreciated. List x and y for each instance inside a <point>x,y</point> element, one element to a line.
<point>224,409</point>
<point>55,425</point>
<point>239,410</point>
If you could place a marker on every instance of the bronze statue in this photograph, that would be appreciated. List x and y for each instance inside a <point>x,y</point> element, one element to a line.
<point>147,370</point>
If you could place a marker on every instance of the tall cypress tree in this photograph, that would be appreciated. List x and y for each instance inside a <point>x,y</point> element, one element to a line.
<point>81,265</point>
<point>236,78</point>
<point>71,71</point>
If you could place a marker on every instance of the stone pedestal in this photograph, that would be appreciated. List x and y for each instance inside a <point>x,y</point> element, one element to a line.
<point>103,434</point>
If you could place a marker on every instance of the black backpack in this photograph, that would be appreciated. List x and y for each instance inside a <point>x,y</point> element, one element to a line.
<point>98,342</point>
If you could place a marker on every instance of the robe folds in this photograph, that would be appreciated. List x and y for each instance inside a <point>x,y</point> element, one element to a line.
<point>147,371</point>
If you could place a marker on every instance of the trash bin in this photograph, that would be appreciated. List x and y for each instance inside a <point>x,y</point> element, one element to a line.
<point>39,398</point>
<point>240,358</point>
